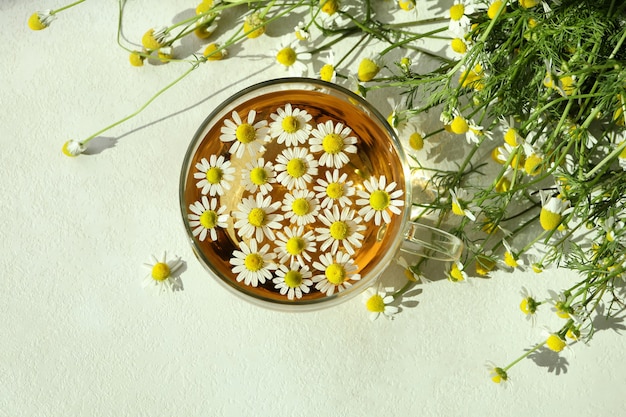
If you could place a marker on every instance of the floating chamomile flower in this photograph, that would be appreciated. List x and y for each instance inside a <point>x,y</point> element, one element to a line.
<point>290,55</point>
<point>296,244</point>
<point>73,148</point>
<point>290,126</point>
<point>215,175</point>
<point>335,141</point>
<point>460,205</point>
<point>40,19</point>
<point>293,280</point>
<point>377,303</point>
<point>255,217</point>
<point>327,72</point>
<point>337,272</point>
<point>379,200</point>
<point>248,135</point>
<point>251,264</point>
<point>334,189</point>
<point>341,227</point>
<point>300,207</point>
<point>205,217</point>
<point>295,167</point>
<point>258,176</point>
<point>164,273</point>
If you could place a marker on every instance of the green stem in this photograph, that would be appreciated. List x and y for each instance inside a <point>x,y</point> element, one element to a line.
<point>53,12</point>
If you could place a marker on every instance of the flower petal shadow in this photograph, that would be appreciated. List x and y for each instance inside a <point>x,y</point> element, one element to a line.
<point>549,359</point>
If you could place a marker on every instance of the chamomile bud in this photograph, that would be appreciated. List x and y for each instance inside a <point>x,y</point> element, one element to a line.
<point>40,20</point>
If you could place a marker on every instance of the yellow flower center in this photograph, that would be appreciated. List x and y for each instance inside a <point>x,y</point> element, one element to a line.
<point>286,56</point>
<point>457,11</point>
<point>510,260</point>
<point>135,59</point>
<point>293,279</point>
<point>335,274</point>
<point>296,168</point>
<point>160,271</point>
<point>295,245</point>
<point>499,375</point>
<point>537,269</point>
<point>525,306</point>
<point>254,262</point>
<point>456,273</point>
<point>245,133</point>
<point>568,85</point>
<point>327,72</point>
<point>510,137</point>
<point>300,206</point>
<point>549,220</point>
<point>573,334</point>
<point>290,124</point>
<point>329,7</point>
<point>458,209</point>
<point>484,265</point>
<point>214,175</point>
<point>257,217</point>
<point>494,8</point>
<point>458,46</point>
<point>503,185</point>
<point>339,230</point>
<point>367,70</point>
<point>334,190</point>
<point>375,304</point>
<point>213,53</point>
<point>517,161</point>
<point>416,141</point>
<point>406,5</point>
<point>459,125</point>
<point>562,310</point>
<point>208,219</point>
<point>35,23</point>
<point>555,343</point>
<point>149,41</point>
<point>527,4</point>
<point>380,200</point>
<point>253,21</point>
<point>332,143</point>
<point>258,176</point>
<point>533,164</point>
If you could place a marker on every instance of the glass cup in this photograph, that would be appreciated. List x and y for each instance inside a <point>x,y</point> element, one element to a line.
<point>296,195</point>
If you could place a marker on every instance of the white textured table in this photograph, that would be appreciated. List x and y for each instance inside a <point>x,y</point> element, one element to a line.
<point>80,336</point>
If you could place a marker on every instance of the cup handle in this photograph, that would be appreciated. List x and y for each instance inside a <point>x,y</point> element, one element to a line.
<point>430,242</point>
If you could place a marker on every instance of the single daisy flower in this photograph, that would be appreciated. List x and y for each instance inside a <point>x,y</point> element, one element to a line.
<point>528,305</point>
<point>258,176</point>
<point>406,5</point>
<point>476,134</point>
<point>412,136</point>
<point>164,274</point>
<point>460,206</point>
<point>533,160</point>
<point>457,273</point>
<point>295,244</point>
<point>511,134</point>
<point>459,45</point>
<point>254,25</point>
<point>295,167</point>
<point>334,189</point>
<point>255,217</point>
<point>511,259</point>
<point>290,54</point>
<point>293,281</point>
<point>215,175</point>
<point>497,375</point>
<point>336,272</point>
<point>340,227</point>
<point>472,77</point>
<point>136,58</point>
<point>397,119</point>
<point>207,24</point>
<point>377,303</point>
<point>513,155</point>
<point>300,207</point>
<point>556,79</point>
<point>459,16</point>
<point>560,306</point>
<point>214,52</point>
<point>494,8</point>
<point>555,342</point>
<point>329,7</point>
<point>459,124</point>
<point>369,67</point>
<point>290,126</point>
<point>552,210</point>
<point>335,141</point>
<point>154,39</point>
<point>248,135</point>
<point>379,200</point>
<point>327,72</point>
<point>40,19</point>
<point>252,265</point>
<point>410,271</point>
<point>73,148</point>
<point>301,32</point>
<point>205,217</point>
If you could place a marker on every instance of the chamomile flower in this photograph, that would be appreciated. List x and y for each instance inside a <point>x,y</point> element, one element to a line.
<point>497,375</point>
<point>258,176</point>
<point>369,67</point>
<point>73,148</point>
<point>254,25</point>
<point>552,210</point>
<point>255,217</point>
<point>335,140</point>
<point>340,228</point>
<point>457,273</point>
<point>558,80</point>
<point>476,134</point>
<point>205,217</point>
<point>494,8</point>
<point>377,303</point>
<point>164,274</point>
<point>528,305</point>
<point>398,118</point>
<point>472,77</point>
<point>412,136</point>
<point>295,168</point>
<point>460,204</point>
<point>459,124</point>
<point>511,134</point>
<point>290,126</point>
<point>295,244</point>
<point>555,342</point>
<point>249,135</point>
<point>336,272</point>
<point>301,32</point>
<point>329,7</point>
<point>252,265</point>
<point>300,207</point>
<point>290,55</point>
<point>511,259</point>
<point>533,160</point>
<point>334,189</point>
<point>406,5</point>
<point>215,175</point>
<point>293,281</point>
<point>327,72</point>
<point>40,19</point>
<point>560,305</point>
<point>459,45</point>
<point>410,271</point>
<point>155,38</point>
<point>379,200</point>
<point>459,21</point>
